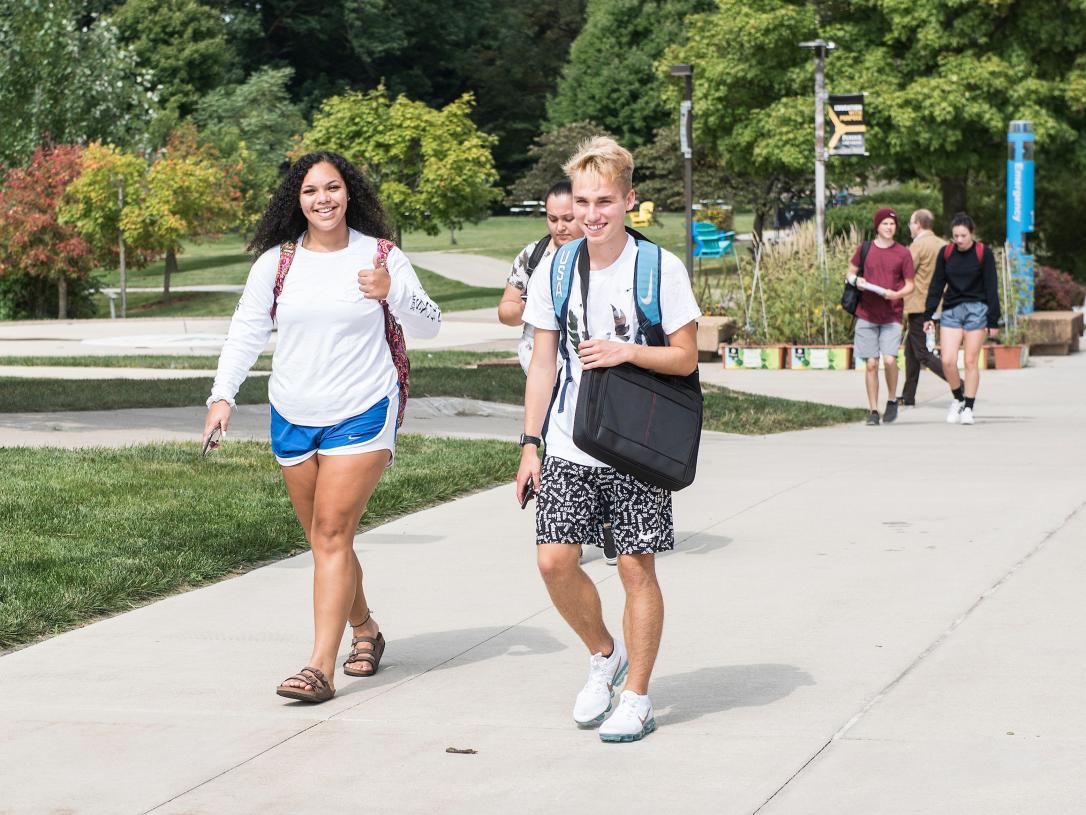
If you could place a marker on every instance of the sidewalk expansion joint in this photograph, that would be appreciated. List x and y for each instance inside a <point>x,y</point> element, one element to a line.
<point>927,652</point>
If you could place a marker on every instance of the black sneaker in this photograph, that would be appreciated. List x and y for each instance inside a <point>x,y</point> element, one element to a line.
<point>891,412</point>
<point>610,551</point>
<point>873,417</point>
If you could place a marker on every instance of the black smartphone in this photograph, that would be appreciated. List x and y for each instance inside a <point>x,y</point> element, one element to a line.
<point>529,494</point>
<point>212,440</point>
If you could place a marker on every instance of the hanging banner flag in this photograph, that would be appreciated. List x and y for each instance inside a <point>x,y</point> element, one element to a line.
<point>847,117</point>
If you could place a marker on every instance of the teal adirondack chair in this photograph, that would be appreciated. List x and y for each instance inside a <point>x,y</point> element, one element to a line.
<point>710,242</point>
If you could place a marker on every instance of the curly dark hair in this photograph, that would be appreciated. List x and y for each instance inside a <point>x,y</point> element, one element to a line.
<point>283,219</point>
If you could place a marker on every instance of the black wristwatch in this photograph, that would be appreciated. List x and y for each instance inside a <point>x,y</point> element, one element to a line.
<point>526,439</point>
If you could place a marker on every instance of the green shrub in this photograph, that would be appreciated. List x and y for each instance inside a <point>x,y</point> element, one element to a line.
<point>29,297</point>
<point>860,213</point>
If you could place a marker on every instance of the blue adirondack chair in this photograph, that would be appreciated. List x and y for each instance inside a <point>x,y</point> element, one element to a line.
<point>710,242</point>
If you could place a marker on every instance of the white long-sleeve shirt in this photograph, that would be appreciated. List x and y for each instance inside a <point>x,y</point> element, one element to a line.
<point>331,358</point>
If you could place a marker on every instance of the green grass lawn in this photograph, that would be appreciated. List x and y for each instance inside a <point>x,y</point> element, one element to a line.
<point>219,261</point>
<point>503,236</point>
<point>93,532</point>
<point>450,295</point>
<point>435,373</point>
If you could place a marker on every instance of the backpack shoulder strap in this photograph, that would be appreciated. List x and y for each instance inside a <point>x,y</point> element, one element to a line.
<point>947,250</point>
<point>537,255</point>
<point>980,252</point>
<point>563,265</point>
<point>286,256</point>
<point>647,273</point>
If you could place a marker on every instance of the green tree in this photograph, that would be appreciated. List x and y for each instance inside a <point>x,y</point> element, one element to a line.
<point>612,76</point>
<point>187,193</point>
<point>508,53</point>
<point>432,168</point>
<point>109,181</point>
<point>40,257</point>
<point>550,151</point>
<point>943,80</point>
<point>65,78</point>
<point>658,176</point>
<point>181,43</point>
<point>252,126</point>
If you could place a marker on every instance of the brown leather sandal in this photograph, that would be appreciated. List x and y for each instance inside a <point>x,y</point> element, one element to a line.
<point>322,689</point>
<point>371,658</point>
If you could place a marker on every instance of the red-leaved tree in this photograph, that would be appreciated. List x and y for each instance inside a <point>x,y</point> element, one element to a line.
<point>33,244</point>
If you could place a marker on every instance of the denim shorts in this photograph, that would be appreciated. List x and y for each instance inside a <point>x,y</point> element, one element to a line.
<point>970,316</point>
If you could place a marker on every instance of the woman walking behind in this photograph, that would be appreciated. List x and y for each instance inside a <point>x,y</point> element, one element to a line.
<point>326,274</point>
<point>965,279</point>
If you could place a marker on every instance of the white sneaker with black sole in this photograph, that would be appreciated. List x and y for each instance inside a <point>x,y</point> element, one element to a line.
<point>594,701</point>
<point>967,416</point>
<point>631,721</point>
<point>954,414</point>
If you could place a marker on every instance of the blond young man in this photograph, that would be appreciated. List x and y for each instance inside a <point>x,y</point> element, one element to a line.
<point>578,494</point>
<point>925,249</point>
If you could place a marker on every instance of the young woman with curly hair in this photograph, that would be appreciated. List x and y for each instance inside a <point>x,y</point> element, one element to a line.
<point>333,389</point>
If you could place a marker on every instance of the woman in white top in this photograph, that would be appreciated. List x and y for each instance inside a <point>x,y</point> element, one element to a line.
<point>333,389</point>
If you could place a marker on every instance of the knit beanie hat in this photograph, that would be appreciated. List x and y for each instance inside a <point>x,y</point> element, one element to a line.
<point>883,214</point>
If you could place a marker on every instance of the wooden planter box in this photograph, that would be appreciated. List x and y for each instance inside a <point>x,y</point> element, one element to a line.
<point>1053,333</point>
<point>752,357</point>
<point>712,333</point>
<point>1010,356</point>
<point>820,357</point>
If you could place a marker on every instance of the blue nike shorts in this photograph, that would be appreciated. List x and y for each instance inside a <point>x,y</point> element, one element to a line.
<point>375,429</point>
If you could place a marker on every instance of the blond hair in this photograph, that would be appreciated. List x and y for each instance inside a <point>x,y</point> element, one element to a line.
<point>602,156</point>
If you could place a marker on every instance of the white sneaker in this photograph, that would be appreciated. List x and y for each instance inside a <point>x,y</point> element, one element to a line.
<point>632,721</point>
<point>604,673</point>
<point>954,415</point>
<point>967,416</point>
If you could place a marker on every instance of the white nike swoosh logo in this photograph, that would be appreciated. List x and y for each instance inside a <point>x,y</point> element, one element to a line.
<point>352,438</point>
<point>645,537</point>
<point>648,300</point>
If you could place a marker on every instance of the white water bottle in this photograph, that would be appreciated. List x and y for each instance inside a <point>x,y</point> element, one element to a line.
<point>929,338</point>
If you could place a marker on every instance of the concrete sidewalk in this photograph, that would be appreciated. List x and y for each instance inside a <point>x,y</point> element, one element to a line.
<point>860,620</point>
<point>474,270</point>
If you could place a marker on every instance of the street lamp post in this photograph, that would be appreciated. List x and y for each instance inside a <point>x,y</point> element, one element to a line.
<point>820,48</point>
<point>686,147</point>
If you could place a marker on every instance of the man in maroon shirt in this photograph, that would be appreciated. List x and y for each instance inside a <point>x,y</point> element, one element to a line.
<point>888,266</point>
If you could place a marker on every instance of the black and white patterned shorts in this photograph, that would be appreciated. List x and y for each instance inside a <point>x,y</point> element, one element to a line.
<point>575,501</point>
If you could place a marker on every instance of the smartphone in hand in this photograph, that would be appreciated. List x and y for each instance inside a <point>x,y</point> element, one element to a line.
<point>212,440</point>
<point>529,494</point>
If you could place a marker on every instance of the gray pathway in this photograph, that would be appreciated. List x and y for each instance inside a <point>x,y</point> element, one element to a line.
<point>860,620</point>
<point>474,270</point>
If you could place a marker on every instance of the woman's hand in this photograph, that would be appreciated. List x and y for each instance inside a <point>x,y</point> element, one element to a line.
<point>218,415</point>
<point>929,325</point>
<point>529,471</point>
<point>374,283</point>
<point>604,353</point>
<point>993,332</point>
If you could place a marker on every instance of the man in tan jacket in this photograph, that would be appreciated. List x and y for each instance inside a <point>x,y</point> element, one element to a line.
<point>925,248</point>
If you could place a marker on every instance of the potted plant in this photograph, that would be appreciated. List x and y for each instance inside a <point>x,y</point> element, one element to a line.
<point>1010,351</point>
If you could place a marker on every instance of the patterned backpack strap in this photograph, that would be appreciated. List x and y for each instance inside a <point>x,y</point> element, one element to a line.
<point>286,255</point>
<point>397,345</point>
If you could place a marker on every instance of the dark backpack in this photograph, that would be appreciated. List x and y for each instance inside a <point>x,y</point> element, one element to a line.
<point>640,422</point>
<point>979,247</point>
<point>537,255</point>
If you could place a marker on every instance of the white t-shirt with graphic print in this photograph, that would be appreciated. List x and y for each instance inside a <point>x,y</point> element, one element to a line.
<point>611,316</point>
<point>518,278</point>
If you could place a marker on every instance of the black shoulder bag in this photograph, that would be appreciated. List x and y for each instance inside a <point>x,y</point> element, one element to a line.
<point>850,297</point>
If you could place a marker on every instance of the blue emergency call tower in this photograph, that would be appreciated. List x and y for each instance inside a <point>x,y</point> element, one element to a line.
<point>1020,206</point>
